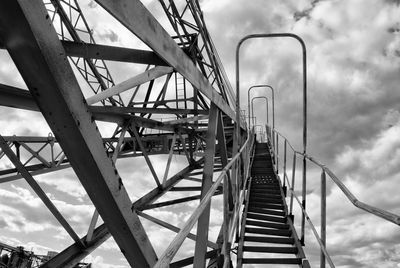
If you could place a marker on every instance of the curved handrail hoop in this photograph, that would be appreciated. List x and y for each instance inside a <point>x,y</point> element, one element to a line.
<point>252,107</point>
<point>273,101</point>
<point>304,54</point>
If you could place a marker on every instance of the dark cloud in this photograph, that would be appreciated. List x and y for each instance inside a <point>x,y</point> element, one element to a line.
<point>110,35</point>
<point>92,4</point>
<point>396,2</point>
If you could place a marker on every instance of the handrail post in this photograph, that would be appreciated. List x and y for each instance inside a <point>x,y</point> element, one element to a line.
<point>277,153</point>
<point>292,188</point>
<point>284,166</point>
<point>323,216</point>
<point>303,201</point>
<point>227,245</point>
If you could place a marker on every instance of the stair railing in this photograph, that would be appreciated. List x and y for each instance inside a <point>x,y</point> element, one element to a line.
<point>386,215</point>
<point>231,217</point>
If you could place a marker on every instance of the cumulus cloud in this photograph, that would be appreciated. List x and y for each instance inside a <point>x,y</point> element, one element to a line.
<point>353,61</point>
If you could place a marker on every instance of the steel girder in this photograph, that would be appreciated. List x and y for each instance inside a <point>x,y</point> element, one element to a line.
<point>39,56</point>
<point>41,60</point>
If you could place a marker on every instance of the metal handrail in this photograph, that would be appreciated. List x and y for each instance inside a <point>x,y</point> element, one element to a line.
<point>350,196</point>
<point>371,209</point>
<point>386,215</point>
<point>322,246</point>
<point>176,243</point>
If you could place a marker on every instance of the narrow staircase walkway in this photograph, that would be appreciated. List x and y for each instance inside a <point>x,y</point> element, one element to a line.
<point>267,235</point>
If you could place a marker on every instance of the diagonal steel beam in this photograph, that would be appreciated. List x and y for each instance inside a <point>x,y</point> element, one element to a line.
<point>70,256</point>
<point>139,79</point>
<point>144,152</point>
<point>38,190</point>
<point>40,58</point>
<point>134,16</point>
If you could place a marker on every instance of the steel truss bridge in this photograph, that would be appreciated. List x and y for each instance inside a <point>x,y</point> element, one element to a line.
<point>180,104</point>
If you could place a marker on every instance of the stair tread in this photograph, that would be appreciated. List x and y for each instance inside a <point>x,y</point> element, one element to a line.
<point>272,260</point>
<point>275,232</point>
<point>288,250</point>
<point>267,224</point>
<point>265,205</point>
<point>266,211</point>
<point>269,239</point>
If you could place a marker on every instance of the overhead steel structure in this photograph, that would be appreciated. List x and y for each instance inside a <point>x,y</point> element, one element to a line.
<point>53,48</point>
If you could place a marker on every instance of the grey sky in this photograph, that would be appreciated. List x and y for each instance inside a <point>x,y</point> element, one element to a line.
<point>353,54</point>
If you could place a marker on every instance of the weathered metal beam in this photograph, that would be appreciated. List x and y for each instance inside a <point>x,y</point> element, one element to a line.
<point>139,79</point>
<point>22,99</point>
<point>156,193</point>
<point>112,53</point>
<point>17,98</point>
<point>188,261</point>
<point>204,219</point>
<point>126,110</point>
<point>186,120</point>
<point>72,255</point>
<point>34,170</point>
<point>146,157</point>
<point>169,160</point>
<point>134,16</point>
<point>38,190</point>
<point>172,227</point>
<point>175,201</point>
<point>39,56</point>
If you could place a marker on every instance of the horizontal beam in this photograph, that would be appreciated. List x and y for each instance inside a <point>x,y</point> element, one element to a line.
<point>22,99</point>
<point>128,110</point>
<point>138,121</point>
<point>17,98</point>
<point>111,53</point>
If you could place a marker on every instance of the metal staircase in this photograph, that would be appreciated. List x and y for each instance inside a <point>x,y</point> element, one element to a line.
<point>267,234</point>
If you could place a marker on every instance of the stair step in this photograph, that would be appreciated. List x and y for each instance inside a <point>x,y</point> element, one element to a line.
<point>271,187</point>
<point>259,197</point>
<point>269,191</point>
<point>265,196</point>
<point>265,205</point>
<point>267,239</point>
<point>275,232</point>
<point>286,250</point>
<point>265,218</point>
<point>266,186</point>
<point>268,224</point>
<point>267,200</point>
<point>266,211</point>
<point>272,260</point>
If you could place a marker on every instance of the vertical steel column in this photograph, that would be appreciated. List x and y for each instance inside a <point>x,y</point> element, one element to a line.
<point>323,216</point>
<point>204,219</point>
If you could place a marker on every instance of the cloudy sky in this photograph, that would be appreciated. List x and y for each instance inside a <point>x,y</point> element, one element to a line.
<point>353,54</point>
